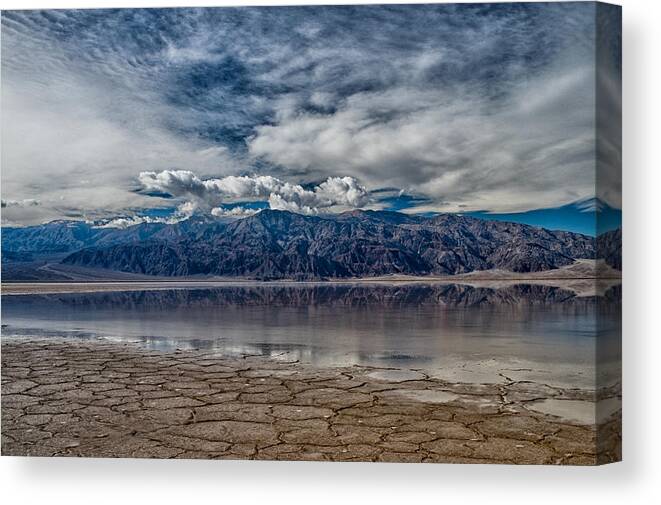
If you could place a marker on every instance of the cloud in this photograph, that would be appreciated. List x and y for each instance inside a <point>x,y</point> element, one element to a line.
<point>590,205</point>
<point>80,116</point>
<point>183,212</point>
<point>455,146</point>
<point>463,106</point>
<point>335,193</point>
<point>28,202</point>
<point>609,105</point>
<point>16,212</point>
<point>236,212</point>
<point>127,222</point>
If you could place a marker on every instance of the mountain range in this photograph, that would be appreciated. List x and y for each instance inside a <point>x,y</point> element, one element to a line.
<point>284,245</point>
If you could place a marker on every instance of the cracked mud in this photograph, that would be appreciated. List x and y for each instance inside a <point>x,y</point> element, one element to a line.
<point>98,399</point>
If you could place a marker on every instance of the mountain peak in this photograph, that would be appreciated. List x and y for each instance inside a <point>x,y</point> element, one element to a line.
<point>385,216</point>
<point>271,214</point>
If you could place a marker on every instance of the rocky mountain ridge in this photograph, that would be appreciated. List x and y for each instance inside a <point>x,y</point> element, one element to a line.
<point>279,244</point>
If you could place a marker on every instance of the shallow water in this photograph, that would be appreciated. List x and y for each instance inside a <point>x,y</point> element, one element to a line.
<point>420,326</point>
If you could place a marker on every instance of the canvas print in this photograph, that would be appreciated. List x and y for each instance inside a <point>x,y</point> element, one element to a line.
<point>380,233</point>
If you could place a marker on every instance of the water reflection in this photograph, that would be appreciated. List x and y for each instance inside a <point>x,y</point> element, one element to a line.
<point>408,326</point>
<point>452,295</point>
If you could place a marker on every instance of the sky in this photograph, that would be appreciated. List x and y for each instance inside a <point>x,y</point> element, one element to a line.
<point>132,115</point>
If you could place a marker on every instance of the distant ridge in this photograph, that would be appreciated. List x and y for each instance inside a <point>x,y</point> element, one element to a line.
<point>284,245</point>
<point>278,244</point>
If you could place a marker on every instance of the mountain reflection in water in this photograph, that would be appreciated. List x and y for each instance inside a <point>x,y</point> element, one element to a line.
<point>388,325</point>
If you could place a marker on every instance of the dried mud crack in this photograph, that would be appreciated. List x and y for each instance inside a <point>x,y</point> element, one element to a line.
<point>98,399</point>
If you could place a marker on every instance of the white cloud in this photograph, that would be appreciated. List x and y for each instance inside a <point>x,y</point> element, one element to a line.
<point>75,131</point>
<point>183,212</point>
<point>335,193</point>
<point>454,146</point>
<point>28,202</point>
<point>233,212</point>
<point>127,222</point>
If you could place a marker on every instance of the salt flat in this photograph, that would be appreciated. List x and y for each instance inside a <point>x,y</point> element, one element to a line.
<point>62,397</point>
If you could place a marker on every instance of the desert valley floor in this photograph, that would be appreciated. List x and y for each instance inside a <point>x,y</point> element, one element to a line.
<point>82,398</point>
